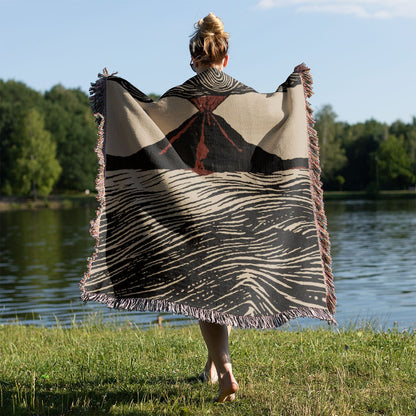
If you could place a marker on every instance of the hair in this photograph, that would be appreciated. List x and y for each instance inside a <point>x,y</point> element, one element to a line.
<point>209,42</point>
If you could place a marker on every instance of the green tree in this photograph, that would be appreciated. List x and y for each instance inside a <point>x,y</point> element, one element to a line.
<point>407,131</point>
<point>8,119</point>
<point>361,142</point>
<point>394,164</point>
<point>332,154</point>
<point>71,123</point>
<point>16,99</point>
<point>35,168</point>
<point>153,96</point>
<point>15,92</point>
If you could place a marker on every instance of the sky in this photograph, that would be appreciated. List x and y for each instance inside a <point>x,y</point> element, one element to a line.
<point>361,53</point>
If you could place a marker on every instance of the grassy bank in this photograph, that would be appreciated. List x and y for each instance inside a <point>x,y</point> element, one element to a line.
<point>108,370</point>
<point>343,195</point>
<point>63,201</point>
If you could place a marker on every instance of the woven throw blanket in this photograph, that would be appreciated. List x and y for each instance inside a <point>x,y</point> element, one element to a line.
<point>210,202</point>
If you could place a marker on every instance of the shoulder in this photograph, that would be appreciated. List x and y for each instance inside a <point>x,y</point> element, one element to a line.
<point>210,82</point>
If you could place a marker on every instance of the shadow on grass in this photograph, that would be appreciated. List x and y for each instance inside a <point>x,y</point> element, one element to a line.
<point>98,397</point>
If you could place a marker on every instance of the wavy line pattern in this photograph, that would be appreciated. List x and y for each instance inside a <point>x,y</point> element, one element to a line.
<point>208,82</point>
<point>238,243</point>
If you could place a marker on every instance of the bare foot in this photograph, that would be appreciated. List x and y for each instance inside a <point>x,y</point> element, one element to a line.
<point>209,375</point>
<point>228,388</point>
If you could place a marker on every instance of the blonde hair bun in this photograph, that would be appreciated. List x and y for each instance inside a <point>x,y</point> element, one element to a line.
<point>209,42</point>
<point>211,25</point>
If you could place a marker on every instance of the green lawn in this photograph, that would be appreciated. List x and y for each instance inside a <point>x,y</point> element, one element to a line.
<point>109,369</point>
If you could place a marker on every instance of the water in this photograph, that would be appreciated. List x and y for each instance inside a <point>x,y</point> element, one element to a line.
<point>374,261</point>
<point>43,257</point>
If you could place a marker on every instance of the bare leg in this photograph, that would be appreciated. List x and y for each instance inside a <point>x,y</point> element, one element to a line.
<point>209,374</point>
<point>216,339</point>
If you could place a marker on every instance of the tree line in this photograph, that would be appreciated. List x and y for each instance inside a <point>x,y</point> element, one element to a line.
<point>47,140</point>
<point>47,143</point>
<point>367,156</point>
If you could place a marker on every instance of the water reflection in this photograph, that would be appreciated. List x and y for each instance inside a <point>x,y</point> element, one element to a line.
<point>374,260</point>
<point>43,257</point>
<point>42,253</point>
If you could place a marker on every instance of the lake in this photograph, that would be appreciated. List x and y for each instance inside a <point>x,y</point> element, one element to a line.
<point>43,257</point>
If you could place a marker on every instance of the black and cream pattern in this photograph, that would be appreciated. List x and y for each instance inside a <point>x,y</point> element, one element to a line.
<point>213,219</point>
<point>210,82</point>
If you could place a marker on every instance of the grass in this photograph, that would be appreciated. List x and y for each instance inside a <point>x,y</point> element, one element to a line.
<point>109,369</point>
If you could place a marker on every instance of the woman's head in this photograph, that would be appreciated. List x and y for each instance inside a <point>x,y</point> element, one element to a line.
<point>209,43</point>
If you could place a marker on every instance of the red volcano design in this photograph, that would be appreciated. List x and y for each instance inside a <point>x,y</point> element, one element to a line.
<point>205,105</point>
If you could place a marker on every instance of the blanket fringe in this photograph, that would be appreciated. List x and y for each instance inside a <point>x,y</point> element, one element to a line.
<point>245,322</point>
<point>97,92</point>
<point>97,102</point>
<point>317,193</point>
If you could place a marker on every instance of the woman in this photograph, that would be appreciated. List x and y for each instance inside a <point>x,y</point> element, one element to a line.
<point>211,203</point>
<point>209,49</point>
